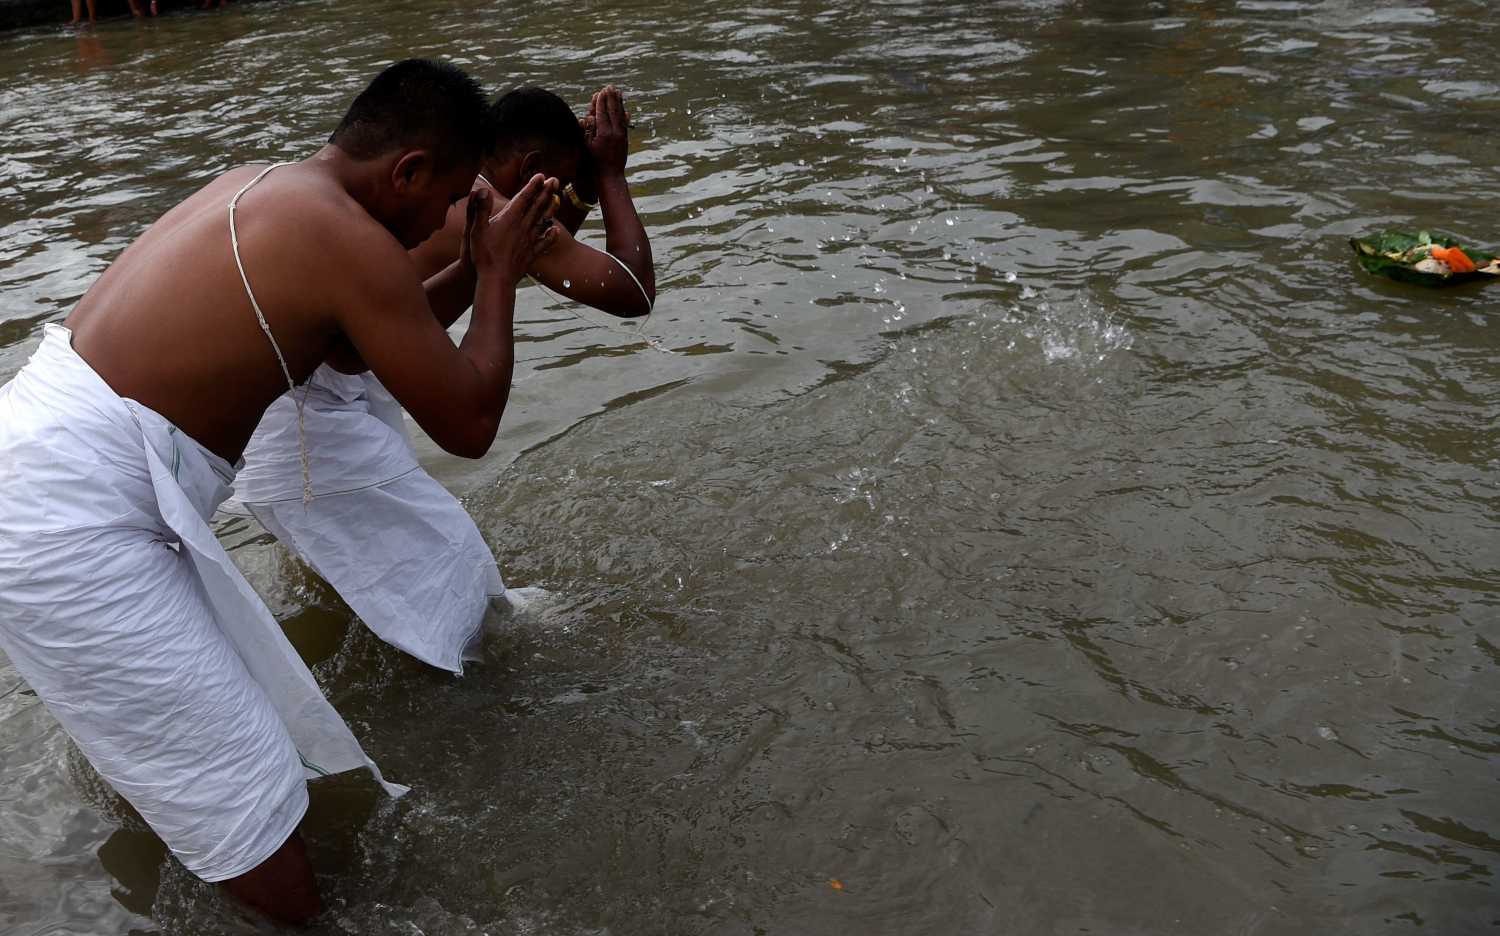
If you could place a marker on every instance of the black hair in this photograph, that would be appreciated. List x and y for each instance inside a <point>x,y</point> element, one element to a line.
<point>533,117</point>
<point>418,104</point>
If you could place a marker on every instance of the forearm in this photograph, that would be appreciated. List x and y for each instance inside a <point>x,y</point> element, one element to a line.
<point>489,343</point>
<point>624,235</point>
<point>449,295</point>
<point>451,291</point>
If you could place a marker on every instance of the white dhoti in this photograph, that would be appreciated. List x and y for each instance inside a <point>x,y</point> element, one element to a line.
<point>121,609</point>
<point>399,548</point>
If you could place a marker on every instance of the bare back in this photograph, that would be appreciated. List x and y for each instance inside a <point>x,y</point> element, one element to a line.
<point>169,323</point>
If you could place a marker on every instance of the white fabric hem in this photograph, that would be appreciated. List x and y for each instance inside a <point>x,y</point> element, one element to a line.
<point>299,801</point>
<point>406,557</point>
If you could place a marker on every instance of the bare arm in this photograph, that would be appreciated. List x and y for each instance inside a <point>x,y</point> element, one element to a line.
<point>607,135</point>
<point>449,281</point>
<point>569,267</point>
<point>435,254</point>
<point>586,275</point>
<point>451,292</point>
<point>457,395</point>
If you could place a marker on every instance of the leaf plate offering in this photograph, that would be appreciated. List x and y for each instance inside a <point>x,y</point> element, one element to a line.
<point>1423,258</point>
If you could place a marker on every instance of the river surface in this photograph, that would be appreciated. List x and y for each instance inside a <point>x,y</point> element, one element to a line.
<point>1019,515</point>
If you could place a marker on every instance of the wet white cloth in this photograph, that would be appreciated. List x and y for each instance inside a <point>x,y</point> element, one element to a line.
<point>399,548</point>
<point>121,609</point>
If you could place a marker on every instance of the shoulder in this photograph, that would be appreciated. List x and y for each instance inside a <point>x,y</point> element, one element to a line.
<point>303,204</point>
<point>361,264</point>
<point>326,249</point>
<point>336,239</point>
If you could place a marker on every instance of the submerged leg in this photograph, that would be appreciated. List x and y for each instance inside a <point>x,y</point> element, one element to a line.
<point>282,887</point>
<point>144,678</point>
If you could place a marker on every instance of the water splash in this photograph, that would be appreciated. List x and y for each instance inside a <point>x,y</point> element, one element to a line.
<point>1075,330</point>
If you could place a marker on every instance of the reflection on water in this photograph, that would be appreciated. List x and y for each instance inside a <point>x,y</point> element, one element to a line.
<point>1018,510</point>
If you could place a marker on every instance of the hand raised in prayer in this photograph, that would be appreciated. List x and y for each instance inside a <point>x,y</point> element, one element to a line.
<point>509,242</point>
<point>606,131</point>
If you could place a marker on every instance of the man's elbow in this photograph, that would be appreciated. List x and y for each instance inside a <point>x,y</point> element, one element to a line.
<point>630,305</point>
<point>473,440</point>
<point>633,310</point>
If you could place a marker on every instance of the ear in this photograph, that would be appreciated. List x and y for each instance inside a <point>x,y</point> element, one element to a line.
<point>412,168</point>
<point>530,164</point>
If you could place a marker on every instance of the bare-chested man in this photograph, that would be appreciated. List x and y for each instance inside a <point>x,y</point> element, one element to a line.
<point>399,548</point>
<point>117,603</point>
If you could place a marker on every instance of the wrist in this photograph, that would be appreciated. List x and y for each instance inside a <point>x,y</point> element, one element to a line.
<point>607,177</point>
<point>612,183</point>
<point>497,273</point>
<point>495,284</point>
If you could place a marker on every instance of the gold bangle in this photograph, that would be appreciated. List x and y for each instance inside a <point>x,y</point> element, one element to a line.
<point>576,199</point>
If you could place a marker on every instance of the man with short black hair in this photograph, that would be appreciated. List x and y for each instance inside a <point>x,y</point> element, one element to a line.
<point>533,134</point>
<point>118,439</point>
<point>400,549</point>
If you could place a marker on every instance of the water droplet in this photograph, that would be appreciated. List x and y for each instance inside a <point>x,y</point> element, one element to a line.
<point>567,284</point>
<point>950,222</point>
<point>1010,277</point>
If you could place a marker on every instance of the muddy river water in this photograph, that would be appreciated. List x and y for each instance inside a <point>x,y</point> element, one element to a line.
<point>1019,515</point>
